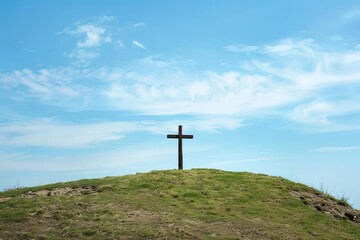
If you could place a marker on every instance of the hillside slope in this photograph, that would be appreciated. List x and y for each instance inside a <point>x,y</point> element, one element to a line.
<point>189,204</point>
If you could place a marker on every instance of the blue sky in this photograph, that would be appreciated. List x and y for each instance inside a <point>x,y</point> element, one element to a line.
<point>91,88</point>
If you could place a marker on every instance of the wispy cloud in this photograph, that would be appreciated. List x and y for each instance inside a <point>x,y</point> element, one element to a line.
<point>106,18</point>
<point>138,44</point>
<point>241,48</point>
<point>140,24</point>
<point>310,71</point>
<point>48,134</point>
<point>120,44</point>
<point>336,149</point>
<point>210,93</point>
<point>101,161</point>
<point>7,114</point>
<point>94,35</point>
<point>291,78</point>
<point>82,55</point>
<point>351,15</point>
<point>51,134</point>
<point>318,114</point>
<point>292,47</point>
<point>43,83</point>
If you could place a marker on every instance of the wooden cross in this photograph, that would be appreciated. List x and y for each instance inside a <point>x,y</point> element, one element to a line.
<point>180,137</point>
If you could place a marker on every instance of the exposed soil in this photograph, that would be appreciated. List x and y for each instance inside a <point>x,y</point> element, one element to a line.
<point>56,192</point>
<point>337,209</point>
<point>61,192</point>
<point>5,199</point>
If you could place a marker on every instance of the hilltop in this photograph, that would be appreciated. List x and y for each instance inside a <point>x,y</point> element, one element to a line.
<point>188,204</point>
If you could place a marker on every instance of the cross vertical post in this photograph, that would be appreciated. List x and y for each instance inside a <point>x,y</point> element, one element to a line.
<point>180,158</point>
<point>180,137</point>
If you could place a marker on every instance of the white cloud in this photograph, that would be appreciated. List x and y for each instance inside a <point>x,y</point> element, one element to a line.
<point>314,110</point>
<point>138,44</point>
<point>82,55</point>
<point>336,149</point>
<point>106,18</point>
<point>140,24</point>
<point>309,71</point>
<point>283,48</point>
<point>288,47</point>
<point>94,35</point>
<point>291,78</point>
<point>167,91</point>
<point>319,114</point>
<point>43,83</point>
<point>207,124</point>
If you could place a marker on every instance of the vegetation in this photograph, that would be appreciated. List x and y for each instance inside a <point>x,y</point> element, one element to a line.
<point>188,204</point>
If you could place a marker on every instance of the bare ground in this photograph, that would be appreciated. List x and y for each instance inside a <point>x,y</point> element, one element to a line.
<point>329,206</point>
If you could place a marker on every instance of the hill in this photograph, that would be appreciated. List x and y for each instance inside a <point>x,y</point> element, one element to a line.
<point>189,204</point>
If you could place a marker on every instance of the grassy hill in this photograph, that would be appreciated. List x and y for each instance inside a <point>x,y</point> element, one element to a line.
<point>189,204</point>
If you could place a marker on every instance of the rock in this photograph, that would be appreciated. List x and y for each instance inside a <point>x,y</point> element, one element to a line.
<point>357,219</point>
<point>42,237</point>
<point>319,208</point>
<point>351,216</point>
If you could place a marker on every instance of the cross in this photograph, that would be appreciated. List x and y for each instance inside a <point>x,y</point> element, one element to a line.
<point>180,137</point>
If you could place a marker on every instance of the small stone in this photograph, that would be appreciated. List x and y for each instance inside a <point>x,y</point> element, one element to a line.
<point>357,219</point>
<point>350,216</point>
<point>319,208</point>
<point>42,236</point>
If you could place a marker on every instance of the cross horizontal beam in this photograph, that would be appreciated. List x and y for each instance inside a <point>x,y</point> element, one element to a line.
<point>182,136</point>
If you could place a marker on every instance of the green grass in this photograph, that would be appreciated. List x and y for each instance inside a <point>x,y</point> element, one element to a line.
<point>189,204</point>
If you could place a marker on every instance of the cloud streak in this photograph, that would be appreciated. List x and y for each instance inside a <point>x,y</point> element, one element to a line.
<point>43,83</point>
<point>47,133</point>
<point>318,114</point>
<point>241,48</point>
<point>138,44</point>
<point>336,149</point>
<point>109,160</point>
<point>140,24</point>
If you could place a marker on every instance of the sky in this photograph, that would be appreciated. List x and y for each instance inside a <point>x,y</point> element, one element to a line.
<point>91,88</point>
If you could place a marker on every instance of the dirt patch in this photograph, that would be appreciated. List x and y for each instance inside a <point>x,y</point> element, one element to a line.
<point>4,199</point>
<point>328,206</point>
<point>61,192</point>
